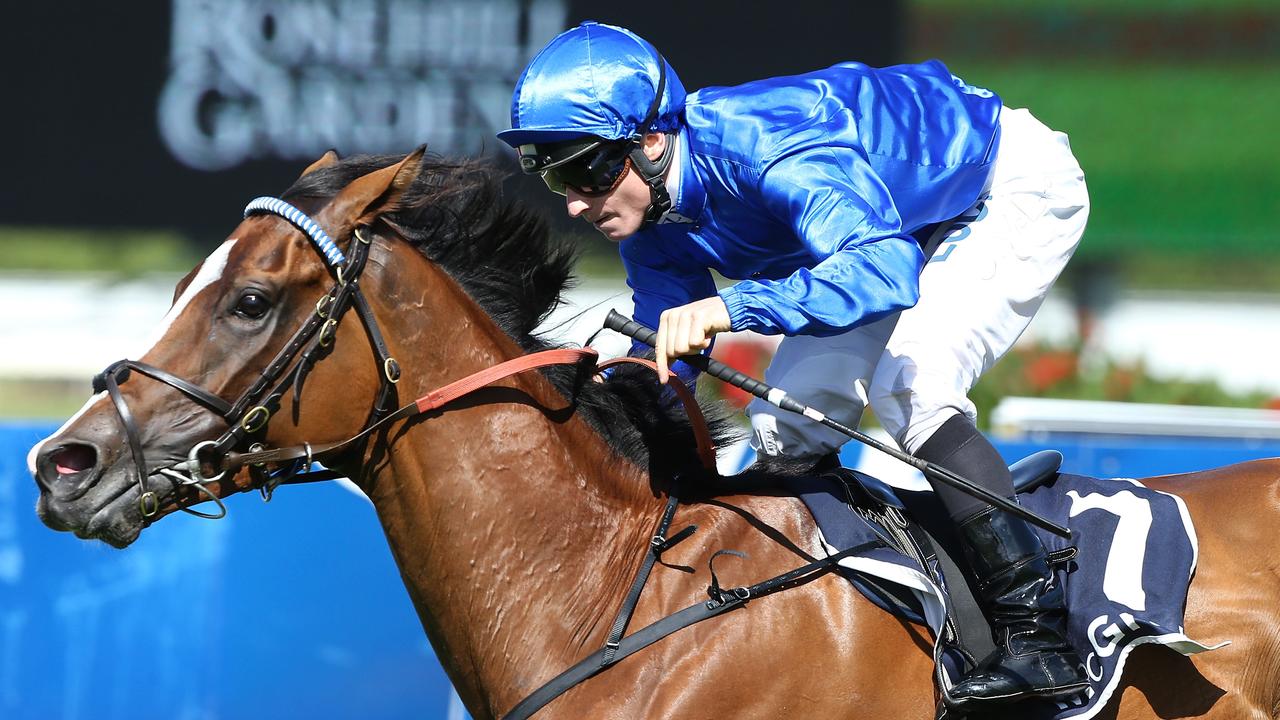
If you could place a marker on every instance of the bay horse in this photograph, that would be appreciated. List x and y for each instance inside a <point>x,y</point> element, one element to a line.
<point>517,515</point>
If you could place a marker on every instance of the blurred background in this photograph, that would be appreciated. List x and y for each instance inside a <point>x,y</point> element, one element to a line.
<point>137,132</point>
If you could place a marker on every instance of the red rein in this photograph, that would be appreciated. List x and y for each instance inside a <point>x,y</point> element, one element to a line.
<point>570,356</point>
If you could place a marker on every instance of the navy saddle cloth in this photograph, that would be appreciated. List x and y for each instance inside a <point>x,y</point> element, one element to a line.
<point>1125,570</point>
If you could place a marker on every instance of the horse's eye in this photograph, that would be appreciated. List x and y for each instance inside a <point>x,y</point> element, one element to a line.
<point>252,305</point>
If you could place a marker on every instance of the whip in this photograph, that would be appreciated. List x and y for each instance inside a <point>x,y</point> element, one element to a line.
<point>776,396</point>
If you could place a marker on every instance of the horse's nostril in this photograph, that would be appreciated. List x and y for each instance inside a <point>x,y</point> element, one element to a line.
<point>74,458</point>
<point>67,471</point>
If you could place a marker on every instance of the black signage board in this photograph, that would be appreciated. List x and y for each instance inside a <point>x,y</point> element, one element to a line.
<point>174,113</point>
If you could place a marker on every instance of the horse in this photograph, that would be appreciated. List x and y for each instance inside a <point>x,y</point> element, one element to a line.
<point>517,514</point>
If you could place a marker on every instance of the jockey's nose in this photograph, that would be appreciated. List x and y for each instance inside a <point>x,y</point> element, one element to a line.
<point>574,203</point>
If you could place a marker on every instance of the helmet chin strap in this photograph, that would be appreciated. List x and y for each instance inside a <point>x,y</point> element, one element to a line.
<point>654,172</point>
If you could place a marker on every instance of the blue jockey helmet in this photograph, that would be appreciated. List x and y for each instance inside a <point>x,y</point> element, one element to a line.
<point>596,80</point>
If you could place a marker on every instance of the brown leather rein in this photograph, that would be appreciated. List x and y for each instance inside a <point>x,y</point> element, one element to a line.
<point>250,414</point>
<point>437,399</point>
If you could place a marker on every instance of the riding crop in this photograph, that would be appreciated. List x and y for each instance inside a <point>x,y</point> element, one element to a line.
<point>776,396</point>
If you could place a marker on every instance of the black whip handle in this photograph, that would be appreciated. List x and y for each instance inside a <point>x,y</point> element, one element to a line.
<point>618,322</point>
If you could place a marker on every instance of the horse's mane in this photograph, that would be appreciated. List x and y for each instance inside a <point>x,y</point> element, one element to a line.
<point>504,257</point>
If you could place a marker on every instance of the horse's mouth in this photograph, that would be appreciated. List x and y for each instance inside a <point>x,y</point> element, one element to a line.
<point>116,521</point>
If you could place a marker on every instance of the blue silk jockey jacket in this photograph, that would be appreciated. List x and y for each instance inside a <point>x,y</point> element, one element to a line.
<point>808,188</point>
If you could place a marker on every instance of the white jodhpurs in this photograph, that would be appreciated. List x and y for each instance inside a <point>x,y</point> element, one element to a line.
<point>988,273</point>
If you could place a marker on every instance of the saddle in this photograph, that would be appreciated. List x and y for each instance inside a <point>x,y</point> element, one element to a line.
<point>914,524</point>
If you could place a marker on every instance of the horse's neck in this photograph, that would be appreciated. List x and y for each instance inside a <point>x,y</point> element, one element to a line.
<point>510,529</point>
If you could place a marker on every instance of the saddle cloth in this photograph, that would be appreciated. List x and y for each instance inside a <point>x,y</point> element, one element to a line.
<point>1126,581</point>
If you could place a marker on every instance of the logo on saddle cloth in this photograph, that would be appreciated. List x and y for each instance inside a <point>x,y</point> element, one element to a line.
<point>1129,544</point>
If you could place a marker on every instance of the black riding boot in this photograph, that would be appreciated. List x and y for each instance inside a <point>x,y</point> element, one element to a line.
<point>1028,615</point>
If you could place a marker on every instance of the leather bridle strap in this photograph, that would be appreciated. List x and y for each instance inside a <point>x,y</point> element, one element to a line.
<point>109,380</point>
<point>249,414</point>
<point>431,401</point>
<point>118,372</point>
<point>457,389</point>
<point>258,403</point>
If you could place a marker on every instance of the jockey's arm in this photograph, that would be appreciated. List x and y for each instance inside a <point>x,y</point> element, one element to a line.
<point>658,283</point>
<point>867,265</point>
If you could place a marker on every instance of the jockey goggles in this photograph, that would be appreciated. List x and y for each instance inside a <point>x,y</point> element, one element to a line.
<point>591,166</point>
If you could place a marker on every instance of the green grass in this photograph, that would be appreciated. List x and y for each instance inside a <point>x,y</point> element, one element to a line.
<point>42,399</point>
<point>123,252</point>
<point>1179,159</point>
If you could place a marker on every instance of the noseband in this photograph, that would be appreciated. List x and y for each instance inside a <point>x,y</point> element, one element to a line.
<point>248,416</point>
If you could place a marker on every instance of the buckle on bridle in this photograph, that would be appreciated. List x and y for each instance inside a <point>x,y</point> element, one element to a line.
<point>322,305</point>
<point>252,422</point>
<point>149,504</point>
<point>327,331</point>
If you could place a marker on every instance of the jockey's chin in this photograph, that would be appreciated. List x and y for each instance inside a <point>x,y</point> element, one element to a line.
<point>618,214</point>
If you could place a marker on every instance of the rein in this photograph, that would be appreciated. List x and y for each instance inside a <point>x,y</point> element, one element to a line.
<point>440,397</point>
<point>248,416</point>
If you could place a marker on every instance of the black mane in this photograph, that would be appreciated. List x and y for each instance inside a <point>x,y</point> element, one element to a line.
<point>503,256</point>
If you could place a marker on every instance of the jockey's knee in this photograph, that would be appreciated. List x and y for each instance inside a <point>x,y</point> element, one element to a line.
<point>911,414</point>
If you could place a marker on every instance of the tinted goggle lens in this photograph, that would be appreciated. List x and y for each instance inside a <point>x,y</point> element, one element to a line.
<point>595,173</point>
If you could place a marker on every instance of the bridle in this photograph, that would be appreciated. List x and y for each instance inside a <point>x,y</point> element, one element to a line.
<point>247,417</point>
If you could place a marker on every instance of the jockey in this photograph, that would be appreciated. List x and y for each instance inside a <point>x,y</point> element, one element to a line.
<point>898,226</point>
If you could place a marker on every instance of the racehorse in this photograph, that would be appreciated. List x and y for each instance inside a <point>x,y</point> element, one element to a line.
<point>517,514</point>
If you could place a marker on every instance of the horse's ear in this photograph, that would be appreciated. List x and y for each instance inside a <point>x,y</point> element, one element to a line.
<point>378,192</point>
<point>329,158</point>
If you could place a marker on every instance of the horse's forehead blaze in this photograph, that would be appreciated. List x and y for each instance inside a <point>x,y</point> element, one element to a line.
<point>211,271</point>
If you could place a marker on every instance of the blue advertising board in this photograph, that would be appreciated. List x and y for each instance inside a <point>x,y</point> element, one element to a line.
<point>288,609</point>
<point>292,609</point>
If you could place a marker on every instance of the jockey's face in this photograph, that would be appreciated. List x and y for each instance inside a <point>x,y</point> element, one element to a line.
<point>619,213</point>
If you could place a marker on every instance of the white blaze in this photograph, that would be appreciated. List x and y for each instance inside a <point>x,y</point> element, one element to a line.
<point>210,272</point>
